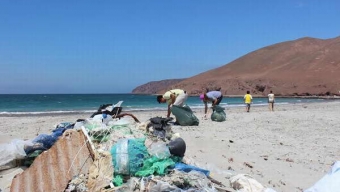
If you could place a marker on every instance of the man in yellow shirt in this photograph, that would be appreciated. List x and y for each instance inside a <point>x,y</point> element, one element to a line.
<point>173,97</point>
<point>247,100</point>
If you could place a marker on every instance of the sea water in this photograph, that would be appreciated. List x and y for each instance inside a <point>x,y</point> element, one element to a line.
<point>88,103</point>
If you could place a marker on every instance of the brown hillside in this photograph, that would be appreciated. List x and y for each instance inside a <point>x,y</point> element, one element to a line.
<point>305,66</point>
<point>155,86</point>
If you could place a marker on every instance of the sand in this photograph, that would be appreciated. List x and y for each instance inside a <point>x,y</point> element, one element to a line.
<point>287,150</point>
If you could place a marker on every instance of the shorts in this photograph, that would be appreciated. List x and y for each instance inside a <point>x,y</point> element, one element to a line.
<point>180,99</point>
<point>219,100</point>
<point>248,104</point>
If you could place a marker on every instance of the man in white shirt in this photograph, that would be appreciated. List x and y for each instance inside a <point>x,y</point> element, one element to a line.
<point>271,101</point>
<point>173,97</point>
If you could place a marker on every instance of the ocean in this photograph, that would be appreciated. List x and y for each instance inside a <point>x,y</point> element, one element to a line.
<point>22,104</point>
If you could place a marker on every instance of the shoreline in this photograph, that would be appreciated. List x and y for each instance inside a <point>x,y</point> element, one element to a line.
<point>289,149</point>
<point>265,96</point>
<point>136,110</point>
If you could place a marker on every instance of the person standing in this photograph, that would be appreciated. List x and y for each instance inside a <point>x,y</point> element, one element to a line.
<point>247,100</point>
<point>271,101</point>
<point>215,97</point>
<point>173,97</point>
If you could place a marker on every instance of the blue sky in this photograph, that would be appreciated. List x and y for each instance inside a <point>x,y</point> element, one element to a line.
<point>110,46</point>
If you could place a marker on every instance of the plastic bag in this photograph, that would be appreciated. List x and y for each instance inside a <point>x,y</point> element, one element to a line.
<point>91,124</point>
<point>184,115</point>
<point>218,115</point>
<point>329,182</point>
<point>188,168</point>
<point>46,140</point>
<point>160,150</point>
<point>104,118</point>
<point>12,151</point>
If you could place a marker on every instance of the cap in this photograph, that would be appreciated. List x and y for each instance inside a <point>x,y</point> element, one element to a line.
<point>202,96</point>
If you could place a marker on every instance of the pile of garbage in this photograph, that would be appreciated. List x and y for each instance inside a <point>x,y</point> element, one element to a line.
<point>105,153</point>
<point>139,157</point>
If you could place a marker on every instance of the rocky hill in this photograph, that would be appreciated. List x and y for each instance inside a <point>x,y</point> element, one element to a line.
<point>154,87</point>
<point>305,66</point>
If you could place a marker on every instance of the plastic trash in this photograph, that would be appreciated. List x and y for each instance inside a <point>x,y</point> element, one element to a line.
<point>104,118</point>
<point>218,115</point>
<point>67,125</point>
<point>91,124</point>
<point>199,180</point>
<point>159,149</point>
<point>78,124</point>
<point>160,127</point>
<point>12,151</point>
<point>164,186</point>
<point>245,183</point>
<point>330,182</point>
<point>46,140</point>
<point>184,115</point>
<point>121,122</point>
<point>177,147</point>
<point>128,155</point>
<point>187,168</point>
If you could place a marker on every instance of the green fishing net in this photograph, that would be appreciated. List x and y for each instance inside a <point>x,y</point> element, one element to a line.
<point>154,165</point>
<point>128,155</point>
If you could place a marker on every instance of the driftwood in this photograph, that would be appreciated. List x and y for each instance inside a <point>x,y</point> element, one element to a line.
<point>126,114</point>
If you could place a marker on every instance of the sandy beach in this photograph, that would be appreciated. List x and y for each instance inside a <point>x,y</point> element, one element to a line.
<point>287,150</point>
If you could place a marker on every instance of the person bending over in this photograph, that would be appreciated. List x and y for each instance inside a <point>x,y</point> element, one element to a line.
<point>215,97</point>
<point>173,97</point>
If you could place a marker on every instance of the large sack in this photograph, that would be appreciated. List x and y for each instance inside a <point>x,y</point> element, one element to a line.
<point>218,115</point>
<point>184,115</point>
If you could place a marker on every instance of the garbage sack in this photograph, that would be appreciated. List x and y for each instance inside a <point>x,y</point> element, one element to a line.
<point>128,155</point>
<point>159,149</point>
<point>218,114</point>
<point>330,182</point>
<point>187,168</point>
<point>12,151</point>
<point>177,147</point>
<point>184,115</point>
